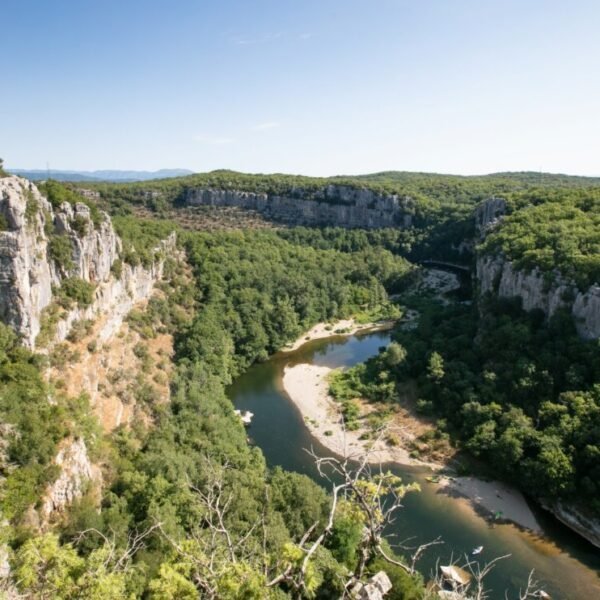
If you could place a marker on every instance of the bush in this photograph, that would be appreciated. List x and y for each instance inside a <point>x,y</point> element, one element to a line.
<point>78,290</point>
<point>61,252</point>
<point>79,330</point>
<point>117,268</point>
<point>80,225</point>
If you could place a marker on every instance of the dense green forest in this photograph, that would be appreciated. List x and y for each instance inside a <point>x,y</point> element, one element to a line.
<point>554,231</point>
<point>520,394</point>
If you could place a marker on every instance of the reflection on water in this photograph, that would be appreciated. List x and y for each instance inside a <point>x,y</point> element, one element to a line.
<point>566,564</point>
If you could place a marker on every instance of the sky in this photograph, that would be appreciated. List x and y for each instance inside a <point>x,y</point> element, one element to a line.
<point>318,87</point>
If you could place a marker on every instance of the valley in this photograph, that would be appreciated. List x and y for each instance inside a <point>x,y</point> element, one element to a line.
<point>124,329</point>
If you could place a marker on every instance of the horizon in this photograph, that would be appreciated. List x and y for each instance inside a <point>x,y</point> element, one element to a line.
<point>286,174</point>
<point>469,89</point>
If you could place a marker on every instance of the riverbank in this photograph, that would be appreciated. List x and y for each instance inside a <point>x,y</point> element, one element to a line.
<point>308,388</point>
<point>343,327</point>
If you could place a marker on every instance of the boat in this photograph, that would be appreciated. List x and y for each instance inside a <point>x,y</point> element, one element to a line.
<point>477,550</point>
<point>245,416</point>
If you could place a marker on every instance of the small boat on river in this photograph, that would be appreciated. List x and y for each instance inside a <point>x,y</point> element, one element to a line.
<point>477,550</point>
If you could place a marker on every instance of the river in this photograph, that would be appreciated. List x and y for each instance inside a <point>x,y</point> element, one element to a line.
<point>567,565</point>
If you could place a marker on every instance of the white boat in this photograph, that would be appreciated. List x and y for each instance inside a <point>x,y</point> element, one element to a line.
<point>245,416</point>
<point>477,550</point>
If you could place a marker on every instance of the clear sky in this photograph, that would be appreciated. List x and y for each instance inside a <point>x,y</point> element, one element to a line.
<point>318,87</point>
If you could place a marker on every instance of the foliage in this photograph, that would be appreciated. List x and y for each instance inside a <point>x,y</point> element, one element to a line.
<point>61,252</point>
<point>77,290</point>
<point>258,291</point>
<point>140,238</point>
<point>32,426</point>
<point>58,193</point>
<point>525,396</point>
<point>553,232</point>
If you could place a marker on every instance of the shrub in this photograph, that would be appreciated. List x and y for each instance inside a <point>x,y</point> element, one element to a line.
<point>79,330</point>
<point>80,225</point>
<point>61,252</point>
<point>78,290</point>
<point>31,206</point>
<point>117,268</point>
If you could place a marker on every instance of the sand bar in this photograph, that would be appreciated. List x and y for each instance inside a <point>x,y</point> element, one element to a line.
<point>344,327</point>
<point>307,387</point>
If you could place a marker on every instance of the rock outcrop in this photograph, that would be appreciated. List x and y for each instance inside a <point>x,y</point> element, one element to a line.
<point>26,274</point>
<point>29,272</point>
<point>489,213</point>
<point>585,526</point>
<point>374,589</point>
<point>76,471</point>
<point>339,205</point>
<point>547,292</point>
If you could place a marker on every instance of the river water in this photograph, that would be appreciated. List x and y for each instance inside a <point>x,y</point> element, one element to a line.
<point>566,564</point>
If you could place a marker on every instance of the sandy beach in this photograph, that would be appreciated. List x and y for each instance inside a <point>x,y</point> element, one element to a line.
<point>344,327</point>
<point>307,387</point>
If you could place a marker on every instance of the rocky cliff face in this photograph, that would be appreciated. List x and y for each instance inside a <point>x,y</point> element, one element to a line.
<point>342,206</point>
<point>76,472</point>
<point>28,272</point>
<point>30,275</point>
<point>489,213</point>
<point>536,290</point>
<point>587,527</point>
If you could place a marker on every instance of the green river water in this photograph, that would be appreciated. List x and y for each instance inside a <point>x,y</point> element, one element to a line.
<point>566,564</point>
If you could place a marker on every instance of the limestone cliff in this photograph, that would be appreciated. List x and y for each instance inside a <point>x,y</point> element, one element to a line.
<point>76,473</point>
<point>41,248</point>
<point>338,205</point>
<point>29,272</point>
<point>26,274</point>
<point>536,290</point>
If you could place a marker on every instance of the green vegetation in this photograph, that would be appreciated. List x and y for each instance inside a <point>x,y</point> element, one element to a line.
<point>59,193</point>
<point>31,206</point>
<point>140,238</point>
<point>32,427</point>
<point>524,396</point>
<point>3,173</point>
<point>61,252</point>
<point>520,393</point>
<point>554,231</point>
<point>74,289</point>
<point>253,292</point>
<point>258,291</point>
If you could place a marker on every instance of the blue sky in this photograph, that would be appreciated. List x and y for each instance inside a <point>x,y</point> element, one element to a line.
<point>301,86</point>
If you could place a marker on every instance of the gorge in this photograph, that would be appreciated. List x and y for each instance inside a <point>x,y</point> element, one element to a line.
<point>140,323</point>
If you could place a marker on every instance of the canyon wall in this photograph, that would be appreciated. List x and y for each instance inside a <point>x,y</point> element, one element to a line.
<point>30,273</point>
<point>41,248</point>
<point>547,292</point>
<point>335,205</point>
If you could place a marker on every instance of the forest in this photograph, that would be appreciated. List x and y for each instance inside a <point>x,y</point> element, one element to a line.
<point>188,508</point>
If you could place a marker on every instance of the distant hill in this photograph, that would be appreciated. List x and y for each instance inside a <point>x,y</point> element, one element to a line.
<point>102,175</point>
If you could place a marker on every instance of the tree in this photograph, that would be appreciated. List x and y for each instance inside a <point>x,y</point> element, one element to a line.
<point>435,367</point>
